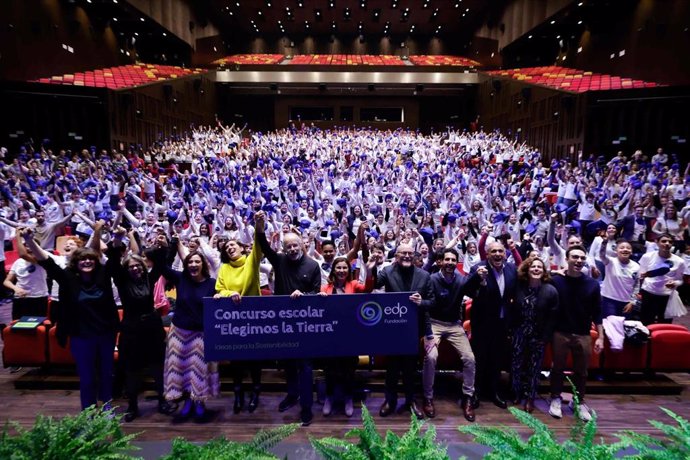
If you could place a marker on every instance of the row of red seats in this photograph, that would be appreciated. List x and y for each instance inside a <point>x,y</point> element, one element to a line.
<point>263,59</point>
<point>348,59</point>
<point>572,79</point>
<point>443,60</point>
<point>36,347</point>
<point>121,77</point>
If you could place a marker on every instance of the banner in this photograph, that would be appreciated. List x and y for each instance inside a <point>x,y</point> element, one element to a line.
<point>312,326</point>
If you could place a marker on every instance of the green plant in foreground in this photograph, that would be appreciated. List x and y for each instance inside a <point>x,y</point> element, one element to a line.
<point>675,445</point>
<point>413,445</point>
<point>542,444</point>
<point>91,434</point>
<point>224,449</point>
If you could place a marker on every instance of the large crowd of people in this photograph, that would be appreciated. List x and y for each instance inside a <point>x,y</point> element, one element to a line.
<point>545,250</point>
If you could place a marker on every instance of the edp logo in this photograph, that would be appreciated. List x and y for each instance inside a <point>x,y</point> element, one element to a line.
<point>369,313</point>
<point>396,310</point>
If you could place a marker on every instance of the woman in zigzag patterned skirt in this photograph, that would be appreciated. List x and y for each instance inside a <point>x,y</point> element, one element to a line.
<point>187,375</point>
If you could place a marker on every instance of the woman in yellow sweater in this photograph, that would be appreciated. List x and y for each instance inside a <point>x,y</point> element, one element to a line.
<point>239,276</point>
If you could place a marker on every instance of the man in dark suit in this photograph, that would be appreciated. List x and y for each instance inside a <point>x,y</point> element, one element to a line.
<point>492,287</point>
<point>403,276</point>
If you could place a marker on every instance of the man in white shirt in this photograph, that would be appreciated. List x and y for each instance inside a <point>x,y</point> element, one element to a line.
<point>662,272</point>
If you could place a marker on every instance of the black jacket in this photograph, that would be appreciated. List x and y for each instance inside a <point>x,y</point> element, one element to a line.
<point>303,274</point>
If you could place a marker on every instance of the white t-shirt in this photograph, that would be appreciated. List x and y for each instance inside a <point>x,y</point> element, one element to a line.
<point>656,284</point>
<point>31,278</point>
<point>620,279</point>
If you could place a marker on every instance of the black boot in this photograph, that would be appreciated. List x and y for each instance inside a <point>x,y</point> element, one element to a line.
<point>166,408</point>
<point>132,412</point>
<point>239,402</point>
<point>253,401</point>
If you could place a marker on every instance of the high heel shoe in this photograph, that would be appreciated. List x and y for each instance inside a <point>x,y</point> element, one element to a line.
<point>239,402</point>
<point>253,402</point>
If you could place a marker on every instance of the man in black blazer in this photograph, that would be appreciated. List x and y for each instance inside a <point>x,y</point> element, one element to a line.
<point>492,287</point>
<point>403,276</point>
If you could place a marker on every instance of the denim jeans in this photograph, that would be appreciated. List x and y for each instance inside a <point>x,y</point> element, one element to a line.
<point>94,358</point>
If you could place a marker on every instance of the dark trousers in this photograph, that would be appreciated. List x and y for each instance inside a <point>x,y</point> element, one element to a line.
<point>134,381</point>
<point>653,308</point>
<point>29,306</point>
<point>396,365</point>
<point>94,358</point>
<point>299,376</point>
<point>240,368</point>
<point>340,373</point>
<point>489,346</point>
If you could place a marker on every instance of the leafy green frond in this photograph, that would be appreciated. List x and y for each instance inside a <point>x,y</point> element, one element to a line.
<point>267,439</point>
<point>92,433</point>
<point>337,449</point>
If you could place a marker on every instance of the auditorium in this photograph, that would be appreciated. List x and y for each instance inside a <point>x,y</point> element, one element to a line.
<point>345,229</point>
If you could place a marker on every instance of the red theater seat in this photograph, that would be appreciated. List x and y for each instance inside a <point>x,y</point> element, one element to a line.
<point>666,327</point>
<point>631,358</point>
<point>58,356</point>
<point>24,347</point>
<point>669,351</point>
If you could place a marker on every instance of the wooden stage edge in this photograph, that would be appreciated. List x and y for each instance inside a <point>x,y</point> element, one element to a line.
<point>623,404</point>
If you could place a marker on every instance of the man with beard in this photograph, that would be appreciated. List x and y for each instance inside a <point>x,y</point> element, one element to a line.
<point>403,276</point>
<point>492,286</point>
<point>444,322</point>
<point>295,275</point>
<point>579,306</point>
<point>43,231</point>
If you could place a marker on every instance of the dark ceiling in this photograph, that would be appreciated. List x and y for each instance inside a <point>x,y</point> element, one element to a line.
<point>368,18</point>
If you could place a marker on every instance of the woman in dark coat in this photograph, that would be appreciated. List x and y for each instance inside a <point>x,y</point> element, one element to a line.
<point>532,317</point>
<point>142,337</point>
<point>89,317</point>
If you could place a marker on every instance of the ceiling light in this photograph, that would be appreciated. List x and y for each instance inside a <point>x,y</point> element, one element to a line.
<point>553,22</point>
<point>529,37</point>
<point>260,13</point>
<point>579,22</point>
<point>580,4</point>
<point>115,19</point>
<point>141,19</point>
<point>136,34</point>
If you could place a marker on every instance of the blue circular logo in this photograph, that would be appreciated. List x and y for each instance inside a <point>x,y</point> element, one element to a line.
<point>369,313</point>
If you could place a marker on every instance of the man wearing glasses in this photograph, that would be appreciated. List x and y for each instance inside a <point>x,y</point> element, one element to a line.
<point>403,276</point>
<point>579,307</point>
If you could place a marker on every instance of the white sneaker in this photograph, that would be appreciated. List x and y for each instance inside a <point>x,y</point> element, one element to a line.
<point>327,407</point>
<point>349,407</point>
<point>585,411</point>
<point>555,408</point>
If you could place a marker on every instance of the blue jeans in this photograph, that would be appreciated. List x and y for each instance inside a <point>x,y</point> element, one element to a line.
<point>94,358</point>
